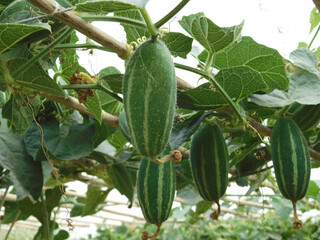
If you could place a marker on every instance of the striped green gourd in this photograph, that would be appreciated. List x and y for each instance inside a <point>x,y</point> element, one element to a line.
<point>156,189</point>
<point>306,116</point>
<point>149,97</point>
<point>291,161</point>
<point>210,163</point>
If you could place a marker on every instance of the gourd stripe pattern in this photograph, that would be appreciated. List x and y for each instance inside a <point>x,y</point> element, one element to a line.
<point>156,188</point>
<point>209,162</point>
<point>307,116</point>
<point>149,94</point>
<point>291,159</point>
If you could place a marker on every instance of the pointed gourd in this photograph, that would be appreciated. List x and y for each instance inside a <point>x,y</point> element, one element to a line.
<point>210,163</point>
<point>291,161</point>
<point>149,97</point>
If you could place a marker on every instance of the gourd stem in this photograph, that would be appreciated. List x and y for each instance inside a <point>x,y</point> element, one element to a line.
<point>215,214</point>
<point>151,27</point>
<point>42,53</point>
<point>171,14</point>
<point>145,236</point>
<point>314,37</point>
<point>297,224</point>
<point>124,20</point>
<point>283,110</point>
<point>216,84</point>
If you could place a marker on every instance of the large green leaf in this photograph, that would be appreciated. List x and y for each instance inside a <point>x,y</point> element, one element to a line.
<point>267,62</point>
<point>20,111</point>
<point>14,157</point>
<point>113,78</point>
<point>212,37</point>
<point>304,86</point>
<point>14,28</point>
<point>184,129</point>
<point>238,82</point>
<point>64,142</point>
<point>11,33</point>
<point>93,104</point>
<point>95,197</point>
<point>107,6</point>
<point>52,200</point>
<point>121,180</point>
<point>35,77</point>
<point>132,32</point>
<point>179,44</point>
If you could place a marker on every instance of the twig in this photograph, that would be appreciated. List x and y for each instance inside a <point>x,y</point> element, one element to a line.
<point>91,180</point>
<point>71,102</point>
<point>12,224</point>
<point>79,24</point>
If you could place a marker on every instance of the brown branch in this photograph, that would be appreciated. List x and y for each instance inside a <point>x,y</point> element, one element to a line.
<point>77,23</point>
<point>317,3</point>
<point>73,103</point>
<point>90,180</point>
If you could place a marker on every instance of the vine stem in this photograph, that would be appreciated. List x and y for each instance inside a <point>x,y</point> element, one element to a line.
<point>209,62</point>
<point>314,37</point>
<point>93,86</point>
<point>46,224</point>
<point>216,84</point>
<point>151,27</point>
<point>117,19</point>
<point>171,14</point>
<point>42,53</point>
<point>6,73</point>
<point>12,224</point>
<point>76,46</point>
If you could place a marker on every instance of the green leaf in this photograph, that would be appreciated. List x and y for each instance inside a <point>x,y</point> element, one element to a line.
<point>117,139</point>
<point>93,104</point>
<point>14,157</point>
<point>52,199</point>
<point>11,33</point>
<point>184,129</point>
<point>107,6</point>
<point>313,190</point>
<point>212,37</point>
<point>133,33</point>
<point>305,80</point>
<point>183,174</point>
<point>20,111</point>
<point>282,206</point>
<point>113,77</point>
<point>95,197</point>
<point>238,82</point>
<point>11,210</point>
<point>102,132</point>
<point>65,142</point>
<point>314,19</point>
<point>61,235</point>
<point>202,207</point>
<point>179,44</point>
<point>267,62</point>
<point>35,77</point>
<point>121,180</point>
